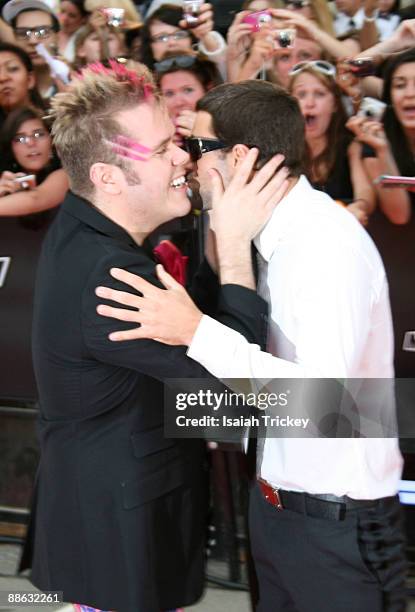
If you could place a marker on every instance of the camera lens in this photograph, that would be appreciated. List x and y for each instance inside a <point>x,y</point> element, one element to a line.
<point>284,39</point>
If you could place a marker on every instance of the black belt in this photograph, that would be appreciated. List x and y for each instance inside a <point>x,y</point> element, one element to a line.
<point>317,506</point>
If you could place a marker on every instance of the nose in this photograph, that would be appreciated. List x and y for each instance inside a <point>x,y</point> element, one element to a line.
<point>32,40</point>
<point>179,157</point>
<point>31,142</point>
<point>308,101</point>
<point>4,75</point>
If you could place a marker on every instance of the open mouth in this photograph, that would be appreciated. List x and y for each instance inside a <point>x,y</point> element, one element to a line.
<point>409,110</point>
<point>178,182</point>
<point>310,120</point>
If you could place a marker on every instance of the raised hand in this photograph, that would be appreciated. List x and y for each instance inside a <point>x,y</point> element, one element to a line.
<point>241,210</point>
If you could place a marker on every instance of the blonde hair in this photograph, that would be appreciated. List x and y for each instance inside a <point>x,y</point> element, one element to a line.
<point>322,16</point>
<point>84,118</point>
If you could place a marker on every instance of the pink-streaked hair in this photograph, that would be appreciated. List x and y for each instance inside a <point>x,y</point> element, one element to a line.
<point>85,117</point>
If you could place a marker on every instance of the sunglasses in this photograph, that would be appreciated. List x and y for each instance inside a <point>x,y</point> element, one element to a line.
<point>196,147</point>
<point>319,65</point>
<point>180,61</point>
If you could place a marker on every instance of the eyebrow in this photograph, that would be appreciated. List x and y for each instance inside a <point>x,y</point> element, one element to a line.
<point>162,143</point>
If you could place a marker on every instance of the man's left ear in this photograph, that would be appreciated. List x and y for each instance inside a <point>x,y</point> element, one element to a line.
<point>239,152</point>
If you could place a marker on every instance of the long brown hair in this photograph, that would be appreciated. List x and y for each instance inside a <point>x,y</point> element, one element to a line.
<point>320,167</point>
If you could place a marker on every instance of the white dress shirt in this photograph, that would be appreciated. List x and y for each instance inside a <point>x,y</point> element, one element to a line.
<point>386,27</point>
<point>342,22</point>
<point>329,318</point>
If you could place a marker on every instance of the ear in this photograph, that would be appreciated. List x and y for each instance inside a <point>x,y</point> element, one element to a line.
<point>107,178</point>
<point>238,154</point>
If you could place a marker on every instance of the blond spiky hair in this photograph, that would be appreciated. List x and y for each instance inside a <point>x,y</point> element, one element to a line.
<point>84,117</point>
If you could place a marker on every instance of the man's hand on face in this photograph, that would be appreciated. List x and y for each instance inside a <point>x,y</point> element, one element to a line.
<point>240,211</point>
<point>165,315</point>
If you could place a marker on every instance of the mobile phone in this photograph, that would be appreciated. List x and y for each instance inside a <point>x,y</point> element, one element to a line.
<point>388,180</point>
<point>362,66</point>
<point>258,19</point>
<point>28,181</point>
<point>191,10</point>
<point>115,16</point>
<point>371,108</point>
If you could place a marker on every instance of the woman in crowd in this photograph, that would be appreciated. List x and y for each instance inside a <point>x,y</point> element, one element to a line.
<point>163,33</point>
<point>183,80</point>
<point>252,53</point>
<point>334,163</point>
<point>26,151</point>
<point>72,17</point>
<point>94,44</point>
<point>17,80</point>
<point>393,225</point>
<point>315,22</point>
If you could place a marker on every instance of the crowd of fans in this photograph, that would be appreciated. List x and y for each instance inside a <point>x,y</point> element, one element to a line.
<point>359,115</point>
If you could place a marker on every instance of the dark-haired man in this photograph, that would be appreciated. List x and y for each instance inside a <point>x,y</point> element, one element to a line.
<point>324,516</point>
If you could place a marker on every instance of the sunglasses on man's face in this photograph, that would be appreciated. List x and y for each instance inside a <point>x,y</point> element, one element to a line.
<point>196,147</point>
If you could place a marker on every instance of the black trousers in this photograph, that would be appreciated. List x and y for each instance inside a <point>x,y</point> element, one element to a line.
<point>307,564</point>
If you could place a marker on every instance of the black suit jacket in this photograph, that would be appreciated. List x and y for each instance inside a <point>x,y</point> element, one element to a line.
<point>119,517</point>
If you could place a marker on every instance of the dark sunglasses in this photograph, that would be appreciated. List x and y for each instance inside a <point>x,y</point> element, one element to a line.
<point>196,147</point>
<point>180,61</point>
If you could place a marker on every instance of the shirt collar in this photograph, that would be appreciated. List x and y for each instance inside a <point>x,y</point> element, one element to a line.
<point>87,213</point>
<point>285,212</point>
<point>358,17</point>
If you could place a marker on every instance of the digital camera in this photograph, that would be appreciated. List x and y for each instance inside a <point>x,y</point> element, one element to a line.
<point>371,108</point>
<point>191,10</point>
<point>257,20</point>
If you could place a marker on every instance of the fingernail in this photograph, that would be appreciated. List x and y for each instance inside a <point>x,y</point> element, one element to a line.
<point>113,337</point>
<point>100,309</point>
<point>115,271</point>
<point>100,291</point>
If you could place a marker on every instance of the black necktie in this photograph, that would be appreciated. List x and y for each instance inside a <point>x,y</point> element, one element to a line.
<point>352,24</point>
<point>386,16</point>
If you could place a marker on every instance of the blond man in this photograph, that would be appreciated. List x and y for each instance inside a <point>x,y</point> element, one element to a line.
<point>119,518</point>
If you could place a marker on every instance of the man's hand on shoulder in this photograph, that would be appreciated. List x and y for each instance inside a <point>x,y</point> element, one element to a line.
<point>152,310</point>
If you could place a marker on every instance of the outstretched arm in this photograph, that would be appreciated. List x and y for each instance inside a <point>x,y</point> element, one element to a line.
<point>47,195</point>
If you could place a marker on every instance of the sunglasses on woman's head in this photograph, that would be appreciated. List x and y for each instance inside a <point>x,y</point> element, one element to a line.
<point>319,65</point>
<point>180,61</point>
